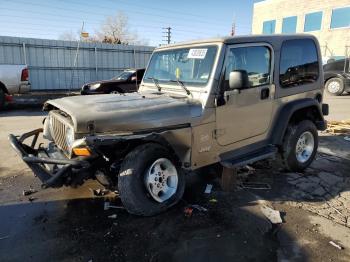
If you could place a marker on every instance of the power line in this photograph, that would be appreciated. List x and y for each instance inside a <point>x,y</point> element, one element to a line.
<point>208,23</point>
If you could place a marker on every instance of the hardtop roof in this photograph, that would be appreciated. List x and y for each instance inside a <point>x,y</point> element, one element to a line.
<point>272,39</point>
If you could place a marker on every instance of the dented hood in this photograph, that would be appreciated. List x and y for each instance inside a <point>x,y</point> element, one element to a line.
<point>130,112</point>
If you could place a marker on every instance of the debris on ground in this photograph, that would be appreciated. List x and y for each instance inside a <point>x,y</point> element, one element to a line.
<point>338,127</point>
<point>188,211</point>
<point>335,245</point>
<point>31,199</point>
<point>114,216</point>
<point>99,191</point>
<point>273,215</point>
<point>29,191</point>
<point>199,208</point>
<point>208,189</point>
<point>255,185</point>
<point>107,206</point>
<point>213,200</point>
<point>347,138</point>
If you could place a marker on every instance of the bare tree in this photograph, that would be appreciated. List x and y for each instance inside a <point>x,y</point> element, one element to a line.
<point>115,30</point>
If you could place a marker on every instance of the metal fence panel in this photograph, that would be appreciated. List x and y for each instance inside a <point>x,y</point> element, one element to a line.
<point>51,62</point>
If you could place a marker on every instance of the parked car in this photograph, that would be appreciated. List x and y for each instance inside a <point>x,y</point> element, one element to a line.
<point>337,76</point>
<point>128,81</point>
<point>225,101</point>
<point>14,79</point>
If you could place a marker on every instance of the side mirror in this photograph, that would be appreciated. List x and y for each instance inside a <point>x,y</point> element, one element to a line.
<point>238,79</point>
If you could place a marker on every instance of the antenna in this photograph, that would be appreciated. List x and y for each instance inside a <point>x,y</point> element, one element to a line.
<point>233,28</point>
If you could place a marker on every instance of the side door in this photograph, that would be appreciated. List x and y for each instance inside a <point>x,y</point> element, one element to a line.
<point>246,113</point>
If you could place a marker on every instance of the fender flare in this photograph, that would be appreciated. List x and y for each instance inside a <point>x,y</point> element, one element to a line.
<point>132,141</point>
<point>285,115</point>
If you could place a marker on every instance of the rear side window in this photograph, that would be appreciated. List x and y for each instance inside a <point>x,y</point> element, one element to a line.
<point>299,63</point>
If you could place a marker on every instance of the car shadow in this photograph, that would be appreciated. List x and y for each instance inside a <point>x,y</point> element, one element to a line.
<point>232,229</point>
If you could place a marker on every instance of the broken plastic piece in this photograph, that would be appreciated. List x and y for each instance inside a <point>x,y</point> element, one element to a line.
<point>99,192</point>
<point>114,216</point>
<point>29,192</point>
<point>273,215</point>
<point>188,211</point>
<point>200,208</point>
<point>213,200</point>
<point>208,188</point>
<point>335,245</point>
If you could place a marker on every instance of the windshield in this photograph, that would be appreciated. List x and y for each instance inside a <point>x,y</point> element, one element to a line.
<point>124,76</point>
<point>189,65</point>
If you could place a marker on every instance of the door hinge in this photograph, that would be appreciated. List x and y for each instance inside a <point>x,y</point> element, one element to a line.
<point>218,132</point>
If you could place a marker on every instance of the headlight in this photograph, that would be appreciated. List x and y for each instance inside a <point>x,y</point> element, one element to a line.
<point>95,86</point>
<point>69,137</point>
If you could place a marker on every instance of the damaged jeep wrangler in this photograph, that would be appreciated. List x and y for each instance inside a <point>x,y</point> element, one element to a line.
<point>231,101</point>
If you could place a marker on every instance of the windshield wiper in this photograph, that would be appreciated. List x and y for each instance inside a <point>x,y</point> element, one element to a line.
<point>188,92</point>
<point>156,83</point>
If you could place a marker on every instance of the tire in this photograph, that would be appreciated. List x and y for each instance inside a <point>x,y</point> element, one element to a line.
<point>136,193</point>
<point>335,86</point>
<point>2,99</point>
<point>292,160</point>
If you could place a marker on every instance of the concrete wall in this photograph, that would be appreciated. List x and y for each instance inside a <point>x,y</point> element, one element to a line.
<point>332,41</point>
<point>51,62</point>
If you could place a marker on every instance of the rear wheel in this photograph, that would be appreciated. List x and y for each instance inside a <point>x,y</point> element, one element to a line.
<point>300,146</point>
<point>2,99</point>
<point>335,86</point>
<point>149,180</point>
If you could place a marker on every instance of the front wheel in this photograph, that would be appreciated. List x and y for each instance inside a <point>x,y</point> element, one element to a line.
<point>149,180</point>
<point>300,146</point>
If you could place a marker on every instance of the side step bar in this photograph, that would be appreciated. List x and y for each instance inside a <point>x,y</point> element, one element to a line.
<point>264,153</point>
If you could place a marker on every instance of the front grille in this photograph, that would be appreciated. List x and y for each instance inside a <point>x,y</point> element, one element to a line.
<point>58,129</point>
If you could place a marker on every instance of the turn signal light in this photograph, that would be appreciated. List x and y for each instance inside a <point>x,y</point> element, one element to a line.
<point>81,151</point>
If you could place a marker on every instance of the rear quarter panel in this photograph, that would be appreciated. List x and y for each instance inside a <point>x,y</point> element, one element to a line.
<point>10,76</point>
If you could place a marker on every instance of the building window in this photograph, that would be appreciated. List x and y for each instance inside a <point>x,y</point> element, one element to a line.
<point>269,27</point>
<point>289,25</point>
<point>313,22</point>
<point>299,63</point>
<point>340,17</point>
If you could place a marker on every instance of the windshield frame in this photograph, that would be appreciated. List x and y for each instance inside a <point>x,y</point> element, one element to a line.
<point>170,82</point>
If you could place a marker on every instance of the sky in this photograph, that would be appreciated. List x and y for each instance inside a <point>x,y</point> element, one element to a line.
<point>189,19</point>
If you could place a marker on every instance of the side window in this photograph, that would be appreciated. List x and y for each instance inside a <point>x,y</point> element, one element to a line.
<point>255,60</point>
<point>299,63</point>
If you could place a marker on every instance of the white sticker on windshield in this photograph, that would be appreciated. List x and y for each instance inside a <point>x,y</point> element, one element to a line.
<point>197,53</point>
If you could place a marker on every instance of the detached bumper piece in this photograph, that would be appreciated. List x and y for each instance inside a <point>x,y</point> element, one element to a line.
<point>49,164</point>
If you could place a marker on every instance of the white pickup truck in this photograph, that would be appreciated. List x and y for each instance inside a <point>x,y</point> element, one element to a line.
<point>14,79</point>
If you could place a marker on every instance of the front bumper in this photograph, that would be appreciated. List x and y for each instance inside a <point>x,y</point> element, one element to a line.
<point>49,164</point>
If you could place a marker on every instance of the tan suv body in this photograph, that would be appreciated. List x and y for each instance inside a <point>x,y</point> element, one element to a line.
<point>232,101</point>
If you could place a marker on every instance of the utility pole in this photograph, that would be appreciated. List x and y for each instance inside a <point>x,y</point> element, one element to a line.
<point>167,35</point>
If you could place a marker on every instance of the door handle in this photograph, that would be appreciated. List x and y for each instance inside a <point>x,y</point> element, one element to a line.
<point>265,93</point>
